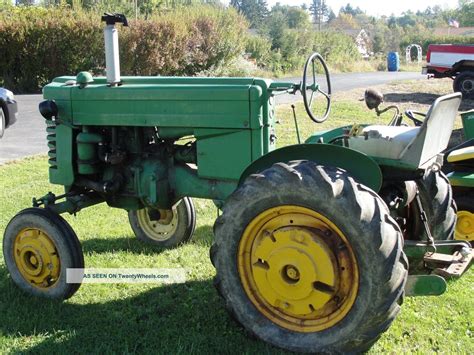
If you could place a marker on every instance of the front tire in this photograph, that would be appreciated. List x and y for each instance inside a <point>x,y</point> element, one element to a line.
<point>464,83</point>
<point>165,228</point>
<point>3,122</point>
<point>39,246</point>
<point>309,260</point>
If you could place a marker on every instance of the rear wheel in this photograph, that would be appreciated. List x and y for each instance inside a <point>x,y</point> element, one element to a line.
<point>309,260</point>
<point>39,246</point>
<point>437,199</point>
<point>464,83</point>
<point>165,228</point>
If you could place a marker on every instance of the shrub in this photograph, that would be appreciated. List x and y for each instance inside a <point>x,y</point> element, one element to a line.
<point>39,44</point>
<point>425,40</point>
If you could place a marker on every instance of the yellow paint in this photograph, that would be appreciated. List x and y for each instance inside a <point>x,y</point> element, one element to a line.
<point>464,226</point>
<point>461,154</point>
<point>37,258</point>
<point>162,229</point>
<point>298,268</point>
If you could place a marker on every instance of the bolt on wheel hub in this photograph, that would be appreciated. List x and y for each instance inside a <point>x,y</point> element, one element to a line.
<point>297,268</point>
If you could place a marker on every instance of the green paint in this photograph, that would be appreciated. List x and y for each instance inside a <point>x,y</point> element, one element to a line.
<point>425,285</point>
<point>461,178</point>
<point>360,166</point>
<point>468,124</point>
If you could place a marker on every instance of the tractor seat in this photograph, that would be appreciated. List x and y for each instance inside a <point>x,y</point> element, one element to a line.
<point>461,155</point>
<point>412,147</point>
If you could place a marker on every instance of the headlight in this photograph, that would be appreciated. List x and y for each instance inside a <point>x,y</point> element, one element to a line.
<point>9,95</point>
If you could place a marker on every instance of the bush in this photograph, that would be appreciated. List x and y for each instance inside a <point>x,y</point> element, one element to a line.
<point>425,40</point>
<point>259,48</point>
<point>39,44</point>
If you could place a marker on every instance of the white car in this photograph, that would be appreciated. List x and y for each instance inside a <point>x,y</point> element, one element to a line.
<point>8,110</point>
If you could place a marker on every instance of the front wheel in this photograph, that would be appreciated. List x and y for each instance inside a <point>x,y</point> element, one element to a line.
<point>309,260</point>
<point>39,246</point>
<point>3,122</point>
<point>165,228</point>
<point>464,83</point>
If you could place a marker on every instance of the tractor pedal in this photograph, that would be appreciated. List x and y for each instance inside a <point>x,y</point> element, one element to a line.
<point>453,265</point>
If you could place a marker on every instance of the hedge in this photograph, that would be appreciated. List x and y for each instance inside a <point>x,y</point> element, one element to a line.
<point>424,41</point>
<point>39,44</point>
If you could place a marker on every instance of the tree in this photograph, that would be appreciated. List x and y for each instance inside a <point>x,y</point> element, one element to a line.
<point>295,16</point>
<point>349,10</point>
<point>319,10</point>
<point>254,10</point>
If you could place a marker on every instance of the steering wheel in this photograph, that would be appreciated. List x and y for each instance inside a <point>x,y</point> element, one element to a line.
<point>307,85</point>
<point>411,115</point>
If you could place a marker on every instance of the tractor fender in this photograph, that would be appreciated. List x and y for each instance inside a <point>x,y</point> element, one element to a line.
<point>360,166</point>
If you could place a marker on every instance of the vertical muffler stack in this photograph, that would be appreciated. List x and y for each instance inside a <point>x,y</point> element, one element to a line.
<point>112,59</point>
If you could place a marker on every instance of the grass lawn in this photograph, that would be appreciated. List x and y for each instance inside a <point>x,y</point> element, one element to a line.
<point>190,317</point>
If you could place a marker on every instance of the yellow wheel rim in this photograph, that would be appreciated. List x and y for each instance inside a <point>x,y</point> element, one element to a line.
<point>464,226</point>
<point>298,268</point>
<point>37,258</point>
<point>161,229</point>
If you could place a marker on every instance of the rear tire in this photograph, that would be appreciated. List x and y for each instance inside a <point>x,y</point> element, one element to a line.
<point>349,227</point>
<point>437,199</point>
<point>464,83</point>
<point>169,228</point>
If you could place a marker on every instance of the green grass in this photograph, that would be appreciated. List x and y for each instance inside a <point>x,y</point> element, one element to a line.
<point>190,317</point>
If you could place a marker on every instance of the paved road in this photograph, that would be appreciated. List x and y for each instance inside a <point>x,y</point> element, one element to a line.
<point>348,81</point>
<point>28,136</point>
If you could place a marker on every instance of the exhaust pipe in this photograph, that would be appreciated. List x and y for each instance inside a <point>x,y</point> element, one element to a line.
<point>112,59</point>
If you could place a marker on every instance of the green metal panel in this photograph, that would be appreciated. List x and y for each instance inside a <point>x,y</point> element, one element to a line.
<point>327,136</point>
<point>461,178</point>
<point>223,154</point>
<point>468,124</point>
<point>63,172</point>
<point>363,168</point>
<point>185,182</point>
<point>425,285</point>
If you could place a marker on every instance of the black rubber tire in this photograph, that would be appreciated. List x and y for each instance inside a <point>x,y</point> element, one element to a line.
<point>464,83</point>
<point>65,240</point>
<point>358,212</point>
<point>186,224</point>
<point>3,121</point>
<point>437,199</point>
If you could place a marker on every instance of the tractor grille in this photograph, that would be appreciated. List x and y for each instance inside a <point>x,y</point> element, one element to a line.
<point>51,137</point>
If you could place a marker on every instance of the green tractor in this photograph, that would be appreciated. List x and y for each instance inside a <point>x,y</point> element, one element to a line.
<point>460,161</point>
<point>311,246</point>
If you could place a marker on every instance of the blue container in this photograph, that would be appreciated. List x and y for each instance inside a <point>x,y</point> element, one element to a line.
<point>393,61</point>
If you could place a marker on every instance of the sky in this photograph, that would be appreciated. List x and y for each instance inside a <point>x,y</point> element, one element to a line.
<point>377,7</point>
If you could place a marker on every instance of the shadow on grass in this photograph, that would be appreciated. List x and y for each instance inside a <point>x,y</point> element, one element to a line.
<point>423,98</point>
<point>182,318</point>
<point>131,244</point>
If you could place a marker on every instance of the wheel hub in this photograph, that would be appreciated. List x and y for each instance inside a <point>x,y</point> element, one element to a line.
<point>465,226</point>
<point>297,268</point>
<point>160,229</point>
<point>468,85</point>
<point>37,258</point>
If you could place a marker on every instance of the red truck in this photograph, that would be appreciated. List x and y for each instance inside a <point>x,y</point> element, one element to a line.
<point>452,61</point>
